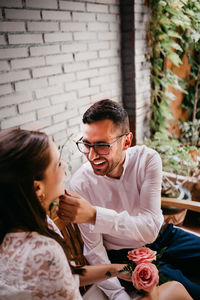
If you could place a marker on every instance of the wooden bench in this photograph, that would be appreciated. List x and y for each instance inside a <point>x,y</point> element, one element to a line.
<point>186,204</point>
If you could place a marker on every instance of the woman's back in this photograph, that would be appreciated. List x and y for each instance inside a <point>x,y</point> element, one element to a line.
<point>33,266</point>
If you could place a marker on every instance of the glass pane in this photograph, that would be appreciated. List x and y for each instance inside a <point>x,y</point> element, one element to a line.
<point>84,147</point>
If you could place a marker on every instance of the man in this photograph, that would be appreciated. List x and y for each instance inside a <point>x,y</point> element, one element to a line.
<point>123,187</point>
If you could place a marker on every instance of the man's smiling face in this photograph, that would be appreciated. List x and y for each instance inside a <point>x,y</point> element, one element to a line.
<point>105,132</point>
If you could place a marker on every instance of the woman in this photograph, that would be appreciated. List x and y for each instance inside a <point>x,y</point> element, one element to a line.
<point>33,263</point>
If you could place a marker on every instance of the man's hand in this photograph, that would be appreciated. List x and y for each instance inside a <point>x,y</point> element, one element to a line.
<point>73,208</point>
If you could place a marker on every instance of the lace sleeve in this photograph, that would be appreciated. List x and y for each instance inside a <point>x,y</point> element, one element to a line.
<point>49,273</point>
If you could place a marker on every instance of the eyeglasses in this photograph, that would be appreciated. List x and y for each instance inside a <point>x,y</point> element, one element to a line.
<point>99,148</point>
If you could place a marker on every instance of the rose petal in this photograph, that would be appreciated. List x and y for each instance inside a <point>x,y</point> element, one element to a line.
<point>142,255</point>
<point>145,276</point>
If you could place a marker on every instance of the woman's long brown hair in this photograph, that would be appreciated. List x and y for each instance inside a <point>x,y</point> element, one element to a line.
<point>24,157</point>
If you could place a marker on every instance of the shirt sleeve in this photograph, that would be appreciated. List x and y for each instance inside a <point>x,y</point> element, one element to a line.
<point>51,275</point>
<point>95,253</point>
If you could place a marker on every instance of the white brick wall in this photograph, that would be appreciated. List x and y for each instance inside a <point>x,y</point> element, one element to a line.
<point>56,58</point>
<point>5,89</point>
<point>14,76</point>
<point>12,26</point>
<point>25,14</point>
<point>13,52</point>
<point>25,63</point>
<point>24,38</point>
<point>11,3</point>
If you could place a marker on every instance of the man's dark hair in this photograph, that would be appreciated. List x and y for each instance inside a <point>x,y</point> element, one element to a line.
<point>107,110</point>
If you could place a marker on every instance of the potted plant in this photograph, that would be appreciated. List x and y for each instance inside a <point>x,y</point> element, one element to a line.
<point>173,188</point>
<point>176,157</point>
<point>179,169</point>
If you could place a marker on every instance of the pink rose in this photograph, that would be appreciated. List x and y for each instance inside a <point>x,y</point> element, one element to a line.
<point>145,276</point>
<point>142,255</point>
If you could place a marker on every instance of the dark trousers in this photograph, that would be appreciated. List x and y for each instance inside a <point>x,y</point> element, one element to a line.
<point>180,261</point>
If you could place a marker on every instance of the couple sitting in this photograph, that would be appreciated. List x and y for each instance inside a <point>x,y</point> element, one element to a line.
<point>123,212</point>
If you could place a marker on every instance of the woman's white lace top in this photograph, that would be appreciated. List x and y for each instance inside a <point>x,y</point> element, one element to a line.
<point>33,266</point>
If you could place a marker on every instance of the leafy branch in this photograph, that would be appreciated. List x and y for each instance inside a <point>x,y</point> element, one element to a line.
<point>173,31</point>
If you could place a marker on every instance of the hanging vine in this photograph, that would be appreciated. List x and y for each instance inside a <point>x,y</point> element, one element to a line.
<point>174,29</point>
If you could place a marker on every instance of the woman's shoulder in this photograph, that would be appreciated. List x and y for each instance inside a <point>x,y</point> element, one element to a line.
<point>39,242</point>
<point>38,264</point>
<point>30,252</point>
<point>28,242</point>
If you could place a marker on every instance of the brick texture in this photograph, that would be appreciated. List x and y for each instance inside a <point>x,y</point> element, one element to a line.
<point>58,57</point>
<point>54,63</point>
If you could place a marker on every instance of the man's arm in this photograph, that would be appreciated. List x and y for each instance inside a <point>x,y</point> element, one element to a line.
<point>142,227</point>
<point>95,253</point>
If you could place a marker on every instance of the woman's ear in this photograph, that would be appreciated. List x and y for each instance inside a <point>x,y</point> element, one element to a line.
<point>128,141</point>
<point>39,189</point>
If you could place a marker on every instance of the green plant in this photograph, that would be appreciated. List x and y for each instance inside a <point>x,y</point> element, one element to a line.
<point>67,150</point>
<point>173,31</point>
<point>175,156</point>
<point>191,101</point>
<point>190,132</point>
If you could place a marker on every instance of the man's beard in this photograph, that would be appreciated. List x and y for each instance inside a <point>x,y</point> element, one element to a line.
<point>105,171</point>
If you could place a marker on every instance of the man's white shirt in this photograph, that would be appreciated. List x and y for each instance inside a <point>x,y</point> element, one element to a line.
<point>128,209</point>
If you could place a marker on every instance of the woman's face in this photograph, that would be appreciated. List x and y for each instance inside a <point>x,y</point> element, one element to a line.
<point>52,186</point>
